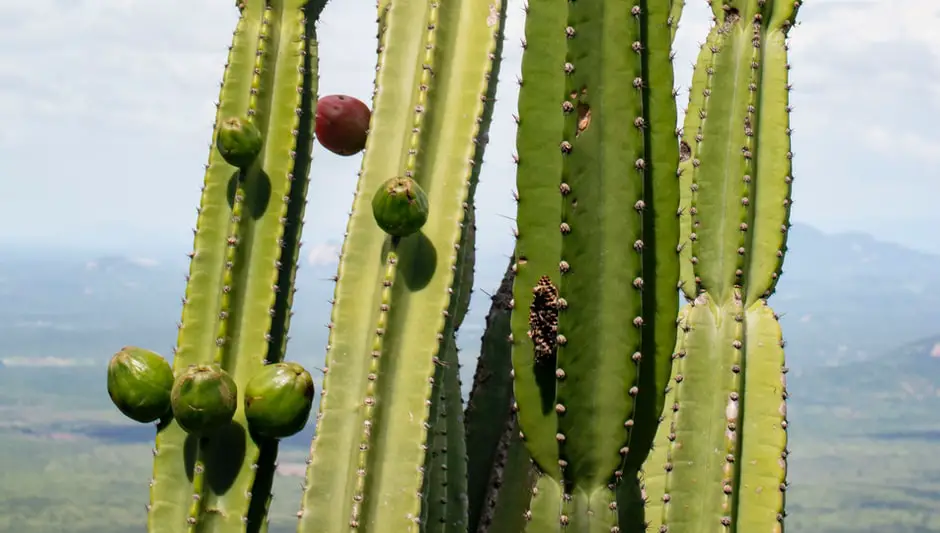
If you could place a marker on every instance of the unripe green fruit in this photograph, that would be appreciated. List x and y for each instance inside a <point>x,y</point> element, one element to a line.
<point>400,207</point>
<point>278,400</point>
<point>204,399</point>
<point>239,141</point>
<point>139,383</point>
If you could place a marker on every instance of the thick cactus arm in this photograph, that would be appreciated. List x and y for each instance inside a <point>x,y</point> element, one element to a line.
<point>723,178</point>
<point>230,317</point>
<point>771,223</point>
<point>489,406</point>
<point>446,467</point>
<point>743,178</point>
<point>726,460</point>
<point>511,485</point>
<point>538,245</point>
<point>432,75</point>
<point>695,115</point>
<point>596,302</point>
<point>763,470</point>
<point>701,462</point>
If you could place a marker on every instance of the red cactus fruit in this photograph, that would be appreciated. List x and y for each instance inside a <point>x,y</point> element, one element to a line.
<point>342,124</point>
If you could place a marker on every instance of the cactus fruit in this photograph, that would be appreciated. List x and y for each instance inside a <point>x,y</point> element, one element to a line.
<point>139,384</point>
<point>278,400</point>
<point>400,207</point>
<point>342,124</point>
<point>204,399</point>
<point>239,141</point>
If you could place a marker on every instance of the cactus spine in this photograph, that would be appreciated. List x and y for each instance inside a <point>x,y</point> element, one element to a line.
<point>434,69</point>
<point>720,459</point>
<point>236,309</point>
<point>597,266</point>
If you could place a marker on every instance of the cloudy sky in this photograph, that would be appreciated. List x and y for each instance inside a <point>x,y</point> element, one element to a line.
<point>106,110</point>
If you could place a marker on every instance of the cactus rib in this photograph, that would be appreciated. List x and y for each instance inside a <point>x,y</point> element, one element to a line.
<point>425,73</point>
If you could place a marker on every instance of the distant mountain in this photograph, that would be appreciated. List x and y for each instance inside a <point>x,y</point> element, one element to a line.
<point>842,296</point>
<point>895,394</point>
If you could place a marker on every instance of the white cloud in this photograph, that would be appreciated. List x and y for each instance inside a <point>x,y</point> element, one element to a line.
<point>323,254</point>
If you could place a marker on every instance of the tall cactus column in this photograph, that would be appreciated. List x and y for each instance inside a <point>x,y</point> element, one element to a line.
<point>721,451</point>
<point>392,312</point>
<point>235,313</point>
<point>595,294</point>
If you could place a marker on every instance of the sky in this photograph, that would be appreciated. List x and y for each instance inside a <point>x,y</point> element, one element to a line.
<point>106,111</point>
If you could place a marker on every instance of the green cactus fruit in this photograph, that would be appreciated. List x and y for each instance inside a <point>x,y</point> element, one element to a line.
<point>139,383</point>
<point>400,207</point>
<point>342,124</point>
<point>239,141</point>
<point>278,400</point>
<point>204,398</point>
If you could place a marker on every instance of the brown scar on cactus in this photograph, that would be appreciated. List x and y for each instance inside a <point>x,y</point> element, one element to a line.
<point>543,319</point>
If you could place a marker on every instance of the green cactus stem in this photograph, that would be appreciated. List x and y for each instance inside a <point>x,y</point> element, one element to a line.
<point>512,479</point>
<point>446,469</point>
<point>725,463</point>
<point>240,285</point>
<point>597,263</point>
<point>489,408</point>
<point>433,74</point>
<point>742,162</point>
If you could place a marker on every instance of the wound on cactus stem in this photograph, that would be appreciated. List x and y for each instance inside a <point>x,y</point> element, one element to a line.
<point>342,124</point>
<point>278,400</point>
<point>400,207</point>
<point>139,384</point>
<point>204,398</point>
<point>543,319</point>
<point>239,141</point>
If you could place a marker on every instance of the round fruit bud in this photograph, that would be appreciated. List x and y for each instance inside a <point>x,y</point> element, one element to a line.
<point>139,383</point>
<point>400,207</point>
<point>278,400</point>
<point>239,142</point>
<point>342,124</point>
<point>204,399</point>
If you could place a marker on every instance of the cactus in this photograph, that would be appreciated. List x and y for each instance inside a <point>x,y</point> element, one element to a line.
<point>566,426</point>
<point>720,458</point>
<point>597,268</point>
<point>240,286</point>
<point>394,310</point>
